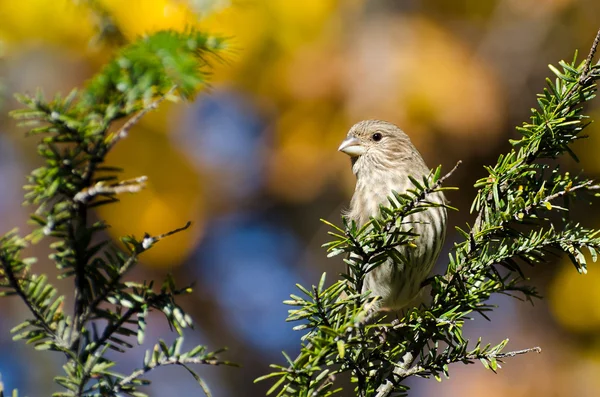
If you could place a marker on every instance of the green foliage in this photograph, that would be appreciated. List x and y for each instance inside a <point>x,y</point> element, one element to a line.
<point>149,66</point>
<point>522,215</point>
<point>76,133</point>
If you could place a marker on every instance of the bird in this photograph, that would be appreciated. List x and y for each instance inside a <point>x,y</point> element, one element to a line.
<point>382,158</point>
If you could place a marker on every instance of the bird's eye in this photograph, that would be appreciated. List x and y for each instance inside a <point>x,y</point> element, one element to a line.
<point>377,137</point>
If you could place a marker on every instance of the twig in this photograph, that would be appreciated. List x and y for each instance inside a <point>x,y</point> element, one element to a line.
<point>326,382</point>
<point>81,209</point>
<point>124,130</point>
<point>139,249</point>
<point>556,195</point>
<point>402,371</point>
<point>536,349</point>
<point>590,58</point>
<point>443,179</point>
<point>148,241</point>
<point>584,77</point>
<point>170,361</point>
<point>127,186</point>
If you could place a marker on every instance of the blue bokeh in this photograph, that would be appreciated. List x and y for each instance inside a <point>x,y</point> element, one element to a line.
<point>251,266</point>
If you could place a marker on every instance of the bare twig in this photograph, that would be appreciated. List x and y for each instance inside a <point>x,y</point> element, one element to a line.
<point>590,58</point>
<point>149,240</point>
<point>127,186</point>
<point>536,349</point>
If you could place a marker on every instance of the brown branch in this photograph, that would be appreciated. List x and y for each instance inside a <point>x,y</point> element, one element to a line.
<point>588,61</point>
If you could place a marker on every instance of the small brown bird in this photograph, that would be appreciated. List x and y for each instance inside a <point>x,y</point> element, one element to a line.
<point>383,157</point>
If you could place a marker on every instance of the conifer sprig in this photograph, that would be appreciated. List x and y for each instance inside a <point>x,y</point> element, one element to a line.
<point>75,135</point>
<point>522,214</point>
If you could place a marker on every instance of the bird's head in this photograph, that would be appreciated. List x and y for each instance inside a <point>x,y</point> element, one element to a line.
<point>377,142</point>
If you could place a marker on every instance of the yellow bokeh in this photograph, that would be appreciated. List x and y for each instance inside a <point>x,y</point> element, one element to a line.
<point>59,22</point>
<point>244,26</point>
<point>173,196</point>
<point>305,159</point>
<point>574,299</point>
<point>419,75</point>
<point>265,34</point>
<point>298,24</point>
<point>138,17</point>
<point>259,148</point>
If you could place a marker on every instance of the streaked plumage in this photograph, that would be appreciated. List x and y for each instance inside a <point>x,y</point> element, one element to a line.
<point>382,159</point>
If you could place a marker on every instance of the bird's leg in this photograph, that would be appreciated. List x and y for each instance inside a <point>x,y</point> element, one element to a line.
<point>393,324</point>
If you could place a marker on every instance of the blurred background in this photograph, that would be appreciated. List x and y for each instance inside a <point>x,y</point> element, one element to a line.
<point>253,162</point>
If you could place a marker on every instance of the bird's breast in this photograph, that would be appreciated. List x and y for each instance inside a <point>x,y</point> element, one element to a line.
<point>371,192</point>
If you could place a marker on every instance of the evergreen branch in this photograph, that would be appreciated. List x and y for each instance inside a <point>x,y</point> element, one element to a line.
<point>586,75</point>
<point>123,132</point>
<point>400,373</point>
<point>588,185</point>
<point>75,140</point>
<point>583,81</point>
<point>113,328</point>
<point>39,317</point>
<point>477,242</point>
<point>163,356</point>
<point>514,225</point>
<point>138,249</point>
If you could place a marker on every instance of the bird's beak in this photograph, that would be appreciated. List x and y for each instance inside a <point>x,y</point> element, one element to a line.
<point>352,147</point>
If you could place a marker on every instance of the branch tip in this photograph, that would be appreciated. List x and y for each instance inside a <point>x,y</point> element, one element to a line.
<point>536,349</point>
<point>592,53</point>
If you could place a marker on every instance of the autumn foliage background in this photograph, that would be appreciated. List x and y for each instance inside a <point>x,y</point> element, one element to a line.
<point>253,161</point>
